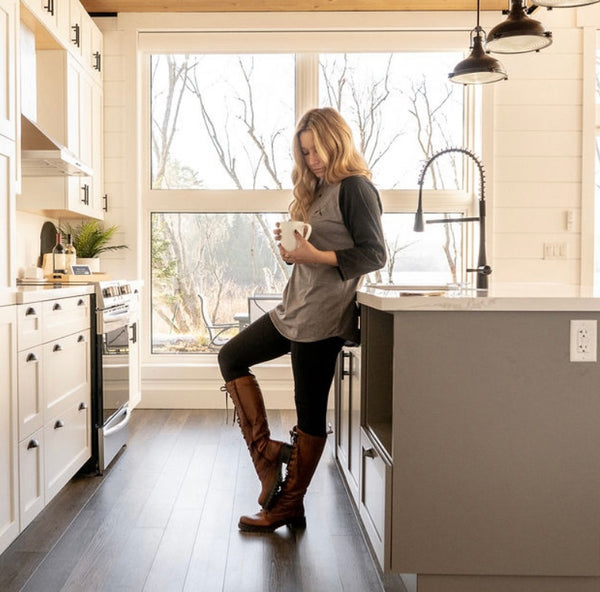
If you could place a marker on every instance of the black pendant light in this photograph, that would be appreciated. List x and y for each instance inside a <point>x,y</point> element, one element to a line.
<point>479,67</point>
<point>518,33</point>
<point>563,3</point>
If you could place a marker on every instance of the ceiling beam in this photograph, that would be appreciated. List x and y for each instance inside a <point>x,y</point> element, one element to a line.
<point>112,6</point>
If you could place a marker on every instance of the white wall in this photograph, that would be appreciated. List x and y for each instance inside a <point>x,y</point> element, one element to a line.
<point>535,153</point>
<point>537,160</point>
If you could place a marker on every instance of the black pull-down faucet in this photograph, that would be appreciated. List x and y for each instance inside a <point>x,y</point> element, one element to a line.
<point>483,270</point>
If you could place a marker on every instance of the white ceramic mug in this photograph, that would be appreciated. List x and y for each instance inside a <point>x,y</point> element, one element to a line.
<point>288,239</point>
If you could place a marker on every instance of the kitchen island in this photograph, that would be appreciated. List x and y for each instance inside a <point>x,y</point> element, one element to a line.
<point>480,439</point>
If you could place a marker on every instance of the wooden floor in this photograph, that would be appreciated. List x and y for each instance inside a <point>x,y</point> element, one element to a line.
<point>164,518</point>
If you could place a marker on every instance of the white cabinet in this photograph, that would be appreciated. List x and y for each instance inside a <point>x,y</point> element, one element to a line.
<point>70,109</point>
<point>52,14</point>
<point>7,211</point>
<point>9,485</point>
<point>8,134</point>
<point>8,21</point>
<point>54,387</point>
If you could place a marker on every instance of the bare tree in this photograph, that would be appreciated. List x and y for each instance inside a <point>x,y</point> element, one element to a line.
<point>430,119</point>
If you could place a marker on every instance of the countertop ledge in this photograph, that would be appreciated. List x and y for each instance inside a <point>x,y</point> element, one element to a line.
<point>39,293</point>
<point>506,298</point>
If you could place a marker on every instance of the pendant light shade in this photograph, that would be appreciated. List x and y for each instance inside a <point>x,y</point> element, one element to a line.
<point>518,33</point>
<point>479,67</point>
<point>563,3</point>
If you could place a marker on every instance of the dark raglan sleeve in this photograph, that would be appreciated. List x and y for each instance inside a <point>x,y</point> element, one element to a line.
<point>361,210</point>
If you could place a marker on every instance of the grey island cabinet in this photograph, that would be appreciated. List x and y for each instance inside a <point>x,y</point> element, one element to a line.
<point>469,435</point>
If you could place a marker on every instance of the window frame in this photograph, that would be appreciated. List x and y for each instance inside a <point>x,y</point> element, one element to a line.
<point>307,45</point>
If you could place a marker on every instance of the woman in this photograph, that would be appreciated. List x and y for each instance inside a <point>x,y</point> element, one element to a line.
<point>317,315</point>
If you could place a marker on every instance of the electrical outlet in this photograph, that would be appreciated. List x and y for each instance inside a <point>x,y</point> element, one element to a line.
<point>583,340</point>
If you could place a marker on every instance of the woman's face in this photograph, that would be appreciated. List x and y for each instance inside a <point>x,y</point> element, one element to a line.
<point>311,158</point>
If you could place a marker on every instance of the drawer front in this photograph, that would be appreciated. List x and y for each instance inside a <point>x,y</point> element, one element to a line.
<point>30,391</point>
<point>29,323</point>
<point>31,477</point>
<point>66,372</point>
<point>65,316</point>
<point>67,447</point>
<point>375,499</point>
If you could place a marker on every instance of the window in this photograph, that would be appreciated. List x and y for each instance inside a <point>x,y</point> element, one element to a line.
<point>219,173</point>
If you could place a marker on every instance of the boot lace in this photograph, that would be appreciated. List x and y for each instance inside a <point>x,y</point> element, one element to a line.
<point>224,390</point>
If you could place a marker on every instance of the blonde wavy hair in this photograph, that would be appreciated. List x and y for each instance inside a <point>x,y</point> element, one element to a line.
<point>336,149</point>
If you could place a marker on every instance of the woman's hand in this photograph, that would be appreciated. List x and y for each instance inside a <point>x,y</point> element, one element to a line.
<point>305,252</point>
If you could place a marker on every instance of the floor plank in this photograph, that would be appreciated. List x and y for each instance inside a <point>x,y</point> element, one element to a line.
<point>163,518</point>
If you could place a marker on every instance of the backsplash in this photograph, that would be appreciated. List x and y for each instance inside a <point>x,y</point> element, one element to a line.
<point>27,240</point>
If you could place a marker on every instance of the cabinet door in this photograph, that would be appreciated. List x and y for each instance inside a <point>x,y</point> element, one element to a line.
<point>9,486</point>
<point>53,14</point>
<point>348,417</point>
<point>31,477</point>
<point>77,29</point>
<point>8,81</point>
<point>67,440</point>
<point>96,49</point>
<point>7,217</point>
<point>30,391</point>
<point>97,149</point>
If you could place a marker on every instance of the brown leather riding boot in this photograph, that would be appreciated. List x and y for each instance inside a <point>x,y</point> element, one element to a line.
<point>288,507</point>
<point>267,455</point>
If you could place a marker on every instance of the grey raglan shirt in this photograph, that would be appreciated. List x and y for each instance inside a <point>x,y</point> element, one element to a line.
<point>319,300</point>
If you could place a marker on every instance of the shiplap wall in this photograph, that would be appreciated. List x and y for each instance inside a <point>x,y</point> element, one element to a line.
<point>537,152</point>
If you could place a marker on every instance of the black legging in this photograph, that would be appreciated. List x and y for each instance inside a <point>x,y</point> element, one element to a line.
<point>313,367</point>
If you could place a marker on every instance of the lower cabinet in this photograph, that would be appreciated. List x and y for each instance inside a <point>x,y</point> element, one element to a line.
<point>376,498</point>
<point>9,476</point>
<point>53,400</point>
<point>31,477</point>
<point>365,466</point>
<point>347,414</point>
<point>67,446</point>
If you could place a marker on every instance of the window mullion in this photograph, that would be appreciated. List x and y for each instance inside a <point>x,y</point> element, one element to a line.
<point>307,82</point>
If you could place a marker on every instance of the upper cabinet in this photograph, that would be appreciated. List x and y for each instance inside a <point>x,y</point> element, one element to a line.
<point>8,132</point>
<point>65,24</point>
<point>53,15</point>
<point>68,108</point>
<point>8,19</point>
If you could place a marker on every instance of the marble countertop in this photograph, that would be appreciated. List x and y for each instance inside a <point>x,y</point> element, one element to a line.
<point>513,297</point>
<point>37,293</point>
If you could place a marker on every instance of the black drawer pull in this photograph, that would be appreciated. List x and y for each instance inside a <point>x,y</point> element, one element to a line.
<point>31,358</point>
<point>81,338</point>
<point>57,347</point>
<point>82,406</point>
<point>369,453</point>
<point>30,311</point>
<point>57,306</point>
<point>81,302</point>
<point>98,63</point>
<point>33,444</point>
<point>58,424</point>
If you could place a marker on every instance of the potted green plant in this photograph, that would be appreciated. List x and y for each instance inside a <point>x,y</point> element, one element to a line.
<point>90,239</point>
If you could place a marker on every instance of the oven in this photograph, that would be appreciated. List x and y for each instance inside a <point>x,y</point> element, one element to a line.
<point>116,342</point>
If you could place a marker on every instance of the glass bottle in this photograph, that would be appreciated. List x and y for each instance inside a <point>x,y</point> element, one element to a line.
<point>58,256</point>
<point>70,254</point>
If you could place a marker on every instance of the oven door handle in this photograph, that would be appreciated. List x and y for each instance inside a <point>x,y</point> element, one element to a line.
<point>122,424</point>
